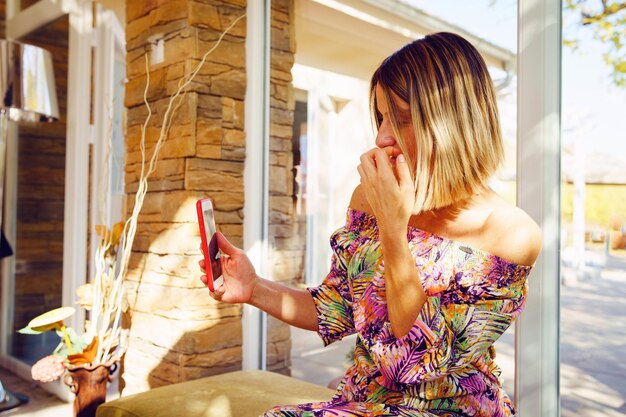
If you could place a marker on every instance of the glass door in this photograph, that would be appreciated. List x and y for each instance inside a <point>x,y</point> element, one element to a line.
<point>497,24</point>
<point>36,284</point>
<point>593,215</point>
<point>339,47</point>
<point>337,51</point>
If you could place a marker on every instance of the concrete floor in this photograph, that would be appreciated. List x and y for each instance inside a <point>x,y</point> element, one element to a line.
<point>41,404</point>
<point>312,362</point>
<point>593,345</point>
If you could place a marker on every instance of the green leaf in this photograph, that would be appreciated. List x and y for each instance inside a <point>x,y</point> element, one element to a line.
<point>78,343</point>
<point>621,67</point>
<point>61,350</point>
<point>58,348</point>
<point>29,330</point>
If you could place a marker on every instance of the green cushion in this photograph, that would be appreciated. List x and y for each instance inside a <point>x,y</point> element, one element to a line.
<point>234,394</point>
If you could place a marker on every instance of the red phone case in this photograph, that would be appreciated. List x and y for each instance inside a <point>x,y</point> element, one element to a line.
<point>205,244</point>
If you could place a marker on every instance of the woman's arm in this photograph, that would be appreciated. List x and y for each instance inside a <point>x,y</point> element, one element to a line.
<point>294,307</point>
<point>405,295</point>
<point>390,193</point>
<point>243,285</point>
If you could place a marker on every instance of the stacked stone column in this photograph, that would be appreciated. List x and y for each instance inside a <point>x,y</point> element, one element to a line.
<point>178,332</point>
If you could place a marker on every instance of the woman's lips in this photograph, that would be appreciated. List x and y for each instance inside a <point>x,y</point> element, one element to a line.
<point>392,151</point>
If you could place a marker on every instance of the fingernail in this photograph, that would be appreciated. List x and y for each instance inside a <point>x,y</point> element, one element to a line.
<point>400,158</point>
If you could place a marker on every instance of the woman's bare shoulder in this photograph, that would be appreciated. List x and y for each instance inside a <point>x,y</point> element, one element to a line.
<point>358,201</point>
<point>515,235</point>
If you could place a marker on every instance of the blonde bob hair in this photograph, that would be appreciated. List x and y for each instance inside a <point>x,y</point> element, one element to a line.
<point>458,141</point>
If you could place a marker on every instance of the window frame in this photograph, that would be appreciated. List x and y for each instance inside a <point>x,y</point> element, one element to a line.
<point>539,193</point>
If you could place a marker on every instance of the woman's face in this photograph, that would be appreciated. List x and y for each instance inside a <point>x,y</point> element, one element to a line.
<point>386,137</point>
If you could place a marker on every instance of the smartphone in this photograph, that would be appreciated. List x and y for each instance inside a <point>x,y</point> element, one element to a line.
<point>210,250</point>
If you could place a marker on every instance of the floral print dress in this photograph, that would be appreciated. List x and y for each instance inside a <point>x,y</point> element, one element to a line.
<point>444,366</point>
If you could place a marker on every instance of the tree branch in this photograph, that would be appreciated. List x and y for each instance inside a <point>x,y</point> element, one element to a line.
<point>607,11</point>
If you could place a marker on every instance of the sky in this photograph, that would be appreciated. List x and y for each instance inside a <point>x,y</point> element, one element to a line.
<point>592,106</point>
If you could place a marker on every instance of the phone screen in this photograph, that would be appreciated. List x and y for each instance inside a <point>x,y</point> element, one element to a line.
<point>211,238</point>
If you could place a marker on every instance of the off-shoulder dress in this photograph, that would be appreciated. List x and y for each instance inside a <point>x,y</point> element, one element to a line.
<point>444,366</point>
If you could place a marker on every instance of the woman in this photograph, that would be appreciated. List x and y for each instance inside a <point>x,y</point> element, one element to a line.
<point>431,265</point>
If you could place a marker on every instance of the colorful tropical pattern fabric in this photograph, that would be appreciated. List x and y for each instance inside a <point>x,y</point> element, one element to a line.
<point>444,366</point>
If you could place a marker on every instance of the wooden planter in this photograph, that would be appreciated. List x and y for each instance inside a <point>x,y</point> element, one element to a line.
<point>89,383</point>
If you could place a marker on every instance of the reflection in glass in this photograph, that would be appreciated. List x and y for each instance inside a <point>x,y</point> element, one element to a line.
<point>37,283</point>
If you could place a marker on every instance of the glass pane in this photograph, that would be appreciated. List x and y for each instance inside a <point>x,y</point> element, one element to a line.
<point>38,279</point>
<point>593,252</point>
<point>313,161</point>
<point>321,125</point>
<point>495,22</point>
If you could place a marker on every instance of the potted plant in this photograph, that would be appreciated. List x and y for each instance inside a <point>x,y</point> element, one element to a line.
<point>88,360</point>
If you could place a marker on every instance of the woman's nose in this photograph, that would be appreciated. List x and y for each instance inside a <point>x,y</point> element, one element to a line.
<point>385,136</point>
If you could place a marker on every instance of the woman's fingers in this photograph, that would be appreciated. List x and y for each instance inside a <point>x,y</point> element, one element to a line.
<point>404,173</point>
<point>359,168</point>
<point>382,163</point>
<point>218,293</point>
<point>375,163</point>
<point>367,165</point>
<point>224,245</point>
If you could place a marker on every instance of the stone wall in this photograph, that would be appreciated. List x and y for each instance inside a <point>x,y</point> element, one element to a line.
<point>177,331</point>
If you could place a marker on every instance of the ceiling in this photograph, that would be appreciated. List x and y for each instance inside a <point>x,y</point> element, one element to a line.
<point>352,37</point>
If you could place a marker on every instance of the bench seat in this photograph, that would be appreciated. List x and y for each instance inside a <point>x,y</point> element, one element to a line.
<point>234,394</point>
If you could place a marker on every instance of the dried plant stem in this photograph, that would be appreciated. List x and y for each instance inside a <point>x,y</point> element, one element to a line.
<point>115,300</point>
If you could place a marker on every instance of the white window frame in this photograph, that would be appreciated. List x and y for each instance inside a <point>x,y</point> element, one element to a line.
<point>256,173</point>
<point>109,42</point>
<point>538,193</point>
<point>20,23</point>
<point>318,154</point>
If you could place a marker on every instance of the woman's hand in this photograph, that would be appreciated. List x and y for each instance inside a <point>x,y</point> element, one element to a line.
<point>243,285</point>
<point>240,278</point>
<point>388,188</point>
